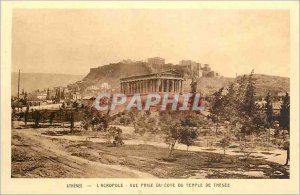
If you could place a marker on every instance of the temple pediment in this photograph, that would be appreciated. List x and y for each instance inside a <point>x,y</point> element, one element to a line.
<point>165,81</point>
<point>171,73</point>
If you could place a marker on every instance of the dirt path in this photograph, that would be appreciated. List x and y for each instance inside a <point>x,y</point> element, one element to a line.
<point>276,155</point>
<point>79,166</point>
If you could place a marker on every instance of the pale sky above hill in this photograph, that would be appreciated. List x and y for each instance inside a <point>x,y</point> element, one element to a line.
<point>73,41</point>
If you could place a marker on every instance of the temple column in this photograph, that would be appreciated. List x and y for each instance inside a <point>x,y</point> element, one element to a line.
<point>152,85</point>
<point>145,86</point>
<point>135,87</point>
<point>148,86</point>
<point>168,85</point>
<point>181,86</point>
<point>174,85</point>
<point>140,87</point>
<point>161,85</point>
<point>132,87</point>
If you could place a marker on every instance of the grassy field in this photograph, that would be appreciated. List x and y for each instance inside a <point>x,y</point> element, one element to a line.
<point>36,155</point>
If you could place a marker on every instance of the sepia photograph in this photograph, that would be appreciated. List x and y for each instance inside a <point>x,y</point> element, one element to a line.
<point>201,95</point>
<point>60,67</point>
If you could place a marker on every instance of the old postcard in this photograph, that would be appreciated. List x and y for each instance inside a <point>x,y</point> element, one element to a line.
<point>147,97</point>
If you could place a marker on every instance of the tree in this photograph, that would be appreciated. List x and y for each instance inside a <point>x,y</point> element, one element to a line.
<point>51,117</point>
<point>104,120</point>
<point>87,116</point>
<point>188,135</point>
<point>118,138</point>
<point>72,122</point>
<point>63,94</point>
<point>194,85</point>
<point>133,114</point>
<point>45,116</point>
<point>285,112</point>
<point>75,105</point>
<point>62,116</point>
<point>286,146</point>
<point>36,117</point>
<point>181,128</point>
<point>26,114</point>
<point>174,135</point>
<point>25,98</point>
<point>269,115</point>
<point>248,112</point>
<point>269,109</point>
<point>57,95</point>
<point>237,106</point>
<point>248,106</point>
<point>217,107</point>
<point>229,108</point>
<point>48,94</point>
<point>225,142</point>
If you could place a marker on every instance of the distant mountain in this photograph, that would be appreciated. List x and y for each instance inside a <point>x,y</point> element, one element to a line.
<point>33,81</point>
<point>263,83</point>
<point>274,84</point>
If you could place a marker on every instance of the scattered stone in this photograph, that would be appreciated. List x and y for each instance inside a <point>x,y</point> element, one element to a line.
<point>278,173</point>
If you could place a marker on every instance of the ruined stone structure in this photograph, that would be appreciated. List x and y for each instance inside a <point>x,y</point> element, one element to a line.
<point>166,81</point>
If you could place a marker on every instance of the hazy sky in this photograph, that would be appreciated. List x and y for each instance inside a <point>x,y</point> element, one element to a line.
<point>73,41</point>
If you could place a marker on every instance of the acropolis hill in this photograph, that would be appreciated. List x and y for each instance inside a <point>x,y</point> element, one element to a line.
<point>209,81</point>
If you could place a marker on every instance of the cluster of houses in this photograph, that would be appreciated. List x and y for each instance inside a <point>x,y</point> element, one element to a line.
<point>56,95</point>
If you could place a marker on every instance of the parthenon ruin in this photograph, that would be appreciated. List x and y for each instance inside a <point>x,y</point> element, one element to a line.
<point>167,81</point>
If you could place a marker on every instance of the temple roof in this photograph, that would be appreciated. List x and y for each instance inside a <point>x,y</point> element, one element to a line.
<point>168,74</point>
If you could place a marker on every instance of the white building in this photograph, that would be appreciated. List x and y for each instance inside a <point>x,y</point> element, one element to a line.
<point>76,96</point>
<point>105,86</point>
<point>93,87</point>
<point>42,95</point>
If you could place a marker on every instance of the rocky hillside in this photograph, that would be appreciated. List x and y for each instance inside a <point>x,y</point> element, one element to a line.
<point>263,83</point>
<point>274,84</point>
<point>112,73</point>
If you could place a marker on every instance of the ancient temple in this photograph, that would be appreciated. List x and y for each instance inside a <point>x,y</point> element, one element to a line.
<point>166,81</point>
